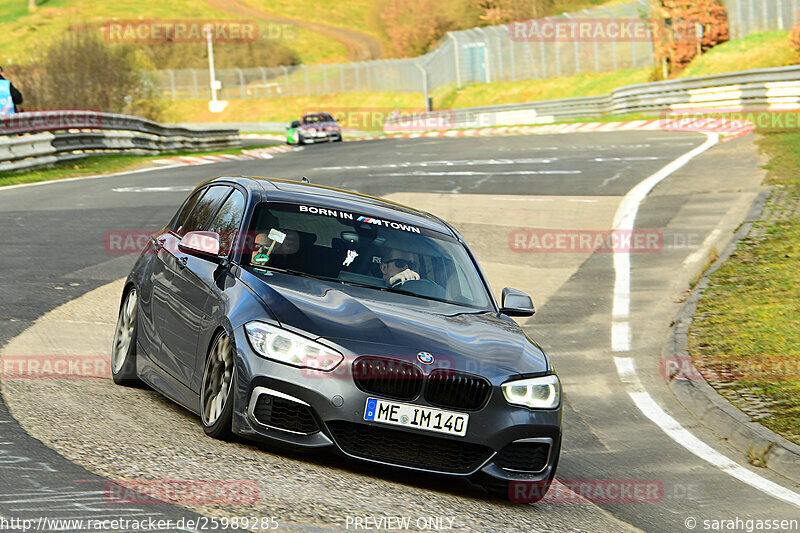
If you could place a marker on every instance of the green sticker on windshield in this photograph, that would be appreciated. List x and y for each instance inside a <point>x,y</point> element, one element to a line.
<point>261,258</point>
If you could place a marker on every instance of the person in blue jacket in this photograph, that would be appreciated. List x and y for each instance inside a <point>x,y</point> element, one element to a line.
<point>10,97</point>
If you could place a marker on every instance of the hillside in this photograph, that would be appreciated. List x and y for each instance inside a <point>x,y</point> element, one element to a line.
<point>308,31</point>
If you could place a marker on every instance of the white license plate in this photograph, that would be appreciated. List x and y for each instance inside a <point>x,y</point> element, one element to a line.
<point>415,416</point>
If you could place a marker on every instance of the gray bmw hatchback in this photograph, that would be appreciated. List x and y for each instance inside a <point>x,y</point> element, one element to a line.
<point>324,319</point>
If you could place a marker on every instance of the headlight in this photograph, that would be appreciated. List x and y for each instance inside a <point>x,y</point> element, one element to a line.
<point>536,393</point>
<point>285,347</point>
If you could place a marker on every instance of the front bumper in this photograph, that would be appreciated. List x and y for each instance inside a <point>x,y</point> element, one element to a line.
<point>337,405</point>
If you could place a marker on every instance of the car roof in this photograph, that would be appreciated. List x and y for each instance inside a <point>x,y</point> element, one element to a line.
<point>280,190</point>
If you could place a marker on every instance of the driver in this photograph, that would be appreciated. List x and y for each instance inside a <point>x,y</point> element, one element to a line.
<point>265,249</point>
<point>397,267</point>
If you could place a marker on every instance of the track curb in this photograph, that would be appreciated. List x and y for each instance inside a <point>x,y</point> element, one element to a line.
<point>704,402</point>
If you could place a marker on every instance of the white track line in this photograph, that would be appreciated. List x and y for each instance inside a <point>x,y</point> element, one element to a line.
<point>621,341</point>
<point>646,404</point>
<point>80,178</point>
<point>624,220</point>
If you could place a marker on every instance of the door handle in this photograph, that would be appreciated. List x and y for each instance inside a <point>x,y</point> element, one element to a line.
<point>182,262</point>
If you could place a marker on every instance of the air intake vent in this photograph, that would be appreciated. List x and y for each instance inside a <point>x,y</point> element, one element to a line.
<point>388,377</point>
<point>447,388</point>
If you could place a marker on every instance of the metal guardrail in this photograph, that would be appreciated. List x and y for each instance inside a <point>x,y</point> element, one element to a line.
<point>772,89</point>
<point>29,140</point>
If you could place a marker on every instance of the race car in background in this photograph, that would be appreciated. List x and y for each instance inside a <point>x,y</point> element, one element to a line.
<point>316,127</point>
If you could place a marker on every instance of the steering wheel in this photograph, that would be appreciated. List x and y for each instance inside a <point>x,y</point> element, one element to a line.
<point>422,287</point>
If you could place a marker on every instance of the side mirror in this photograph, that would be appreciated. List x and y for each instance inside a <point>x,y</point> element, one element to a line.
<point>516,303</point>
<point>203,244</point>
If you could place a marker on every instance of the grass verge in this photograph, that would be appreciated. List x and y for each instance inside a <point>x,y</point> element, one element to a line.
<point>101,164</point>
<point>746,335</point>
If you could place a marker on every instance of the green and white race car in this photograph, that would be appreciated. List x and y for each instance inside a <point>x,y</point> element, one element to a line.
<point>316,127</point>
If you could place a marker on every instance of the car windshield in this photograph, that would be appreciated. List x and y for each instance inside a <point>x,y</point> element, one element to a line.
<point>355,248</point>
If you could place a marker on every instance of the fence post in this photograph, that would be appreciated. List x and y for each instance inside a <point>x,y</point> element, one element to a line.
<point>633,38</point>
<point>613,41</point>
<point>650,47</point>
<point>264,79</point>
<point>194,86</point>
<point>575,48</point>
<point>596,56</point>
<point>305,70</point>
<point>458,66</point>
<point>764,19</point>
<point>424,82</point>
<point>543,58</point>
<point>241,83</point>
<point>486,64</point>
<point>172,82</point>
<point>341,77</point>
<point>780,15</point>
<point>286,79</point>
<point>511,45</point>
<point>358,77</point>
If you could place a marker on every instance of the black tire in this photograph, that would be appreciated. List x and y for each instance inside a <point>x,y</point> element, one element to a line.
<point>300,140</point>
<point>339,139</point>
<point>123,350</point>
<point>219,373</point>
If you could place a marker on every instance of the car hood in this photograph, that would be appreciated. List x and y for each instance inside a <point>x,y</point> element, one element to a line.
<point>367,321</point>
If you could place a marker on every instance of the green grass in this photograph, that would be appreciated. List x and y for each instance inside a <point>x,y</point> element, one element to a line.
<point>760,50</point>
<point>351,14</point>
<point>25,33</point>
<point>546,89</point>
<point>749,318</point>
<point>285,109</point>
<point>101,164</point>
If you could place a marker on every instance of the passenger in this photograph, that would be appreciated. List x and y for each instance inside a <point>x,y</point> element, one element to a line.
<point>397,267</point>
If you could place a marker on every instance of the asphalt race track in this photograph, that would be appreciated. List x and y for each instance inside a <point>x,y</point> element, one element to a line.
<point>54,252</point>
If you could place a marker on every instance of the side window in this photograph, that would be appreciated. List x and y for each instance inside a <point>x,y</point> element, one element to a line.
<point>207,206</point>
<point>183,213</point>
<point>227,221</point>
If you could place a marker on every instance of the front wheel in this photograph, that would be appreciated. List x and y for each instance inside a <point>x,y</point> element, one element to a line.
<point>216,395</point>
<point>123,351</point>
